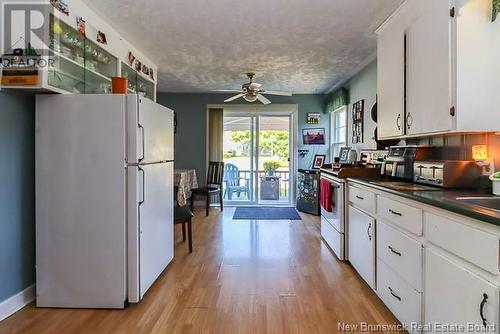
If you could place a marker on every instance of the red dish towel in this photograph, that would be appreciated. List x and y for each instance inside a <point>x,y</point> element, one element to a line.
<point>326,195</point>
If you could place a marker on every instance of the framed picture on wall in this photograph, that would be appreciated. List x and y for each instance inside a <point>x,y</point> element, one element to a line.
<point>313,118</point>
<point>319,161</point>
<point>313,136</point>
<point>357,121</point>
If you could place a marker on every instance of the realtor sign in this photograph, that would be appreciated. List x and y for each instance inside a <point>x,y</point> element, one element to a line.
<point>23,23</point>
<point>23,48</point>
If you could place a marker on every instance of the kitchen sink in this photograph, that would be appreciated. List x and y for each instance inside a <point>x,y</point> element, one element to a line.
<point>492,203</point>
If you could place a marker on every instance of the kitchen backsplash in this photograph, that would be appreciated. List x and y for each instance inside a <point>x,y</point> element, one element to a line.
<point>459,147</point>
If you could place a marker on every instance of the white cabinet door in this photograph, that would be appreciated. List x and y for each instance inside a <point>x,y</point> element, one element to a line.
<point>361,243</point>
<point>428,69</point>
<point>455,295</point>
<point>390,81</point>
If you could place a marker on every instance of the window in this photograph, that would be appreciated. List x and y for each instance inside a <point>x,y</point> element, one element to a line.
<point>338,124</point>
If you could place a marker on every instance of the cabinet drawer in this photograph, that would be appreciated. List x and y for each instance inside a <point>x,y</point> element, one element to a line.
<point>478,247</point>
<point>362,199</point>
<point>401,253</point>
<point>403,215</point>
<point>333,238</point>
<point>454,295</point>
<point>403,301</point>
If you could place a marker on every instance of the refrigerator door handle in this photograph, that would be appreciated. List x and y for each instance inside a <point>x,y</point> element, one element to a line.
<point>143,194</point>
<point>141,128</point>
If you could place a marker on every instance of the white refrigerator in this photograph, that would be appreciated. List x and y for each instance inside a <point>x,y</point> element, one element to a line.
<point>104,198</point>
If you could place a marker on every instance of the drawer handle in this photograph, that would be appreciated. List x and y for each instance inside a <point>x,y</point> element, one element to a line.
<point>394,251</point>
<point>394,295</point>
<point>368,231</point>
<point>481,309</point>
<point>359,197</point>
<point>395,213</point>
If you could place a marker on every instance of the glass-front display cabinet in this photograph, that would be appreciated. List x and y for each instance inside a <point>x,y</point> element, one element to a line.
<point>137,83</point>
<point>78,65</point>
<point>131,74</point>
<point>77,59</point>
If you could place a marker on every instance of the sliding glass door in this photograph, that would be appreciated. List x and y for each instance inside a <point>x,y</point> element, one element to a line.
<point>239,161</point>
<point>258,158</point>
<point>273,158</point>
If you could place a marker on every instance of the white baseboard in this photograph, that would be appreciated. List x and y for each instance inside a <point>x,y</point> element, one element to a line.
<point>18,301</point>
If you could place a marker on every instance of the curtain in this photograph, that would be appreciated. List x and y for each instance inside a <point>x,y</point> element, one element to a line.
<point>215,134</point>
<point>337,99</point>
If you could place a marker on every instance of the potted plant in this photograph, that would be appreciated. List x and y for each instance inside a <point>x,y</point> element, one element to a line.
<point>270,167</point>
<point>270,184</point>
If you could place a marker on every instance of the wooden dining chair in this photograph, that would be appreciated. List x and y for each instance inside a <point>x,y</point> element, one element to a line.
<point>215,176</point>
<point>182,215</point>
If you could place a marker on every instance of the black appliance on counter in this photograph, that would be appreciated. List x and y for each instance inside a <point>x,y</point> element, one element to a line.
<point>308,191</point>
<point>400,160</point>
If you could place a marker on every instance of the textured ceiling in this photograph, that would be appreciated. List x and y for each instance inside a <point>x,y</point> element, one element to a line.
<point>301,46</point>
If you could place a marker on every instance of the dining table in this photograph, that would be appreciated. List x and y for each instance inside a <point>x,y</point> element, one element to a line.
<point>185,180</point>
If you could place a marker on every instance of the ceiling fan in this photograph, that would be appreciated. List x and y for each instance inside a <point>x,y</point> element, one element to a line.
<point>252,91</point>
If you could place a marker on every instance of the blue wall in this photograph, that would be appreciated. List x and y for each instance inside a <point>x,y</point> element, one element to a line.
<point>17,193</point>
<point>363,86</point>
<point>191,137</point>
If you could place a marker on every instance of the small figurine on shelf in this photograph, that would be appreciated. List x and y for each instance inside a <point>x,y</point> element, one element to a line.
<point>81,25</point>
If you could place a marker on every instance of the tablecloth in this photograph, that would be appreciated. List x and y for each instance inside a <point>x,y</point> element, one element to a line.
<point>186,180</point>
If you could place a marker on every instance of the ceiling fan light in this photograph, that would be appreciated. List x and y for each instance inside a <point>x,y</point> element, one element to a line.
<point>250,98</point>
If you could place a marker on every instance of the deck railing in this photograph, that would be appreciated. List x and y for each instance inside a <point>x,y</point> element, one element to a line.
<point>284,176</point>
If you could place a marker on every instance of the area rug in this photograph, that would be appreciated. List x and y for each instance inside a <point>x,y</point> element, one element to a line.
<point>266,213</point>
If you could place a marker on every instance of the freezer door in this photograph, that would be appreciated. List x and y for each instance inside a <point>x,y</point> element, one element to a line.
<point>151,228</point>
<point>151,131</point>
<point>80,201</point>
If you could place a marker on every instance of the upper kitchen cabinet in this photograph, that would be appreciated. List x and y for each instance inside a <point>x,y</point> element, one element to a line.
<point>390,74</point>
<point>436,62</point>
<point>428,68</point>
<point>390,63</point>
<point>477,67</point>
<point>76,52</point>
<point>77,65</point>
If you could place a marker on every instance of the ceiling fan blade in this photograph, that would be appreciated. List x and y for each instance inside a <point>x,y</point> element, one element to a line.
<point>228,90</point>
<point>273,92</point>
<point>234,97</point>
<point>263,99</point>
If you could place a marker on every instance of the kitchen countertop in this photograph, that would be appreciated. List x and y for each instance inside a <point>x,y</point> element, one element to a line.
<point>441,198</point>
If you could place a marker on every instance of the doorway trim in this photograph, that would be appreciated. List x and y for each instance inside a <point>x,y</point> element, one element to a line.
<point>291,110</point>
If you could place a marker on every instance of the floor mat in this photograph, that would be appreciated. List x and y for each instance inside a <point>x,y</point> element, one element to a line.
<point>266,213</point>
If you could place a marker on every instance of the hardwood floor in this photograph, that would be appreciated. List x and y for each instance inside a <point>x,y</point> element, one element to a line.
<point>242,277</point>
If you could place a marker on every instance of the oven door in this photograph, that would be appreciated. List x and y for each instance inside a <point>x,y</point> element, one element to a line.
<point>336,216</point>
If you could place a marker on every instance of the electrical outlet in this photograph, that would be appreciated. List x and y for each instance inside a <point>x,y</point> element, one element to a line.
<point>487,166</point>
